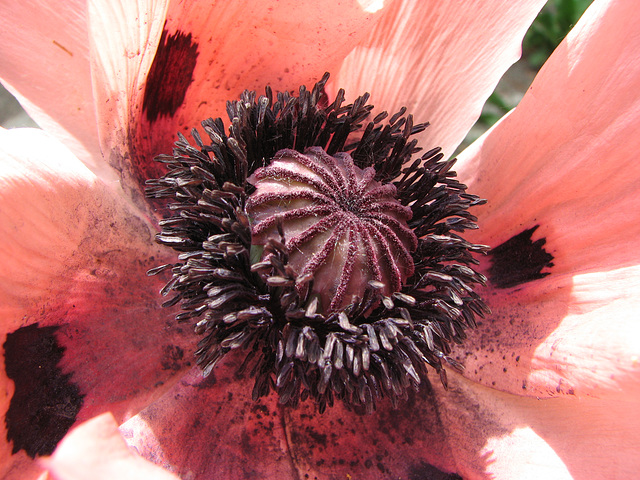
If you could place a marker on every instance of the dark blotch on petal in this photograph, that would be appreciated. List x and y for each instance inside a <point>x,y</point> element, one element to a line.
<point>172,357</point>
<point>519,260</point>
<point>170,75</point>
<point>424,471</point>
<point>45,402</point>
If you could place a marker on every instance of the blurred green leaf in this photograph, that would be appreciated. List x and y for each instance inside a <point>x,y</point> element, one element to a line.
<point>550,27</point>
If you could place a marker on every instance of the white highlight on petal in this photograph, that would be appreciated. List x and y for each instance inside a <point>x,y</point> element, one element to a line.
<point>522,454</point>
<point>96,450</point>
<point>37,172</point>
<point>502,436</point>
<point>592,351</point>
<point>44,55</point>
<point>152,448</point>
<point>371,6</point>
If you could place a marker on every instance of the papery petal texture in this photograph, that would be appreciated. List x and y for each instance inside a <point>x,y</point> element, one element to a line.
<point>503,436</point>
<point>45,63</point>
<point>441,60</point>
<point>73,289</point>
<point>564,162</point>
<point>96,450</point>
<point>211,428</point>
<point>77,248</point>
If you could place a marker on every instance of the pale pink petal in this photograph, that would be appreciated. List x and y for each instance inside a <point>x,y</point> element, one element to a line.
<point>44,58</point>
<point>441,60</point>
<point>73,277</point>
<point>38,177</point>
<point>204,55</point>
<point>566,160</point>
<point>212,429</point>
<point>501,436</point>
<point>96,450</point>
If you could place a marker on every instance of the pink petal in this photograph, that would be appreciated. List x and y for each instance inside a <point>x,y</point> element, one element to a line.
<point>34,163</point>
<point>207,55</point>
<point>502,436</point>
<point>565,160</point>
<point>210,428</point>
<point>441,60</point>
<point>213,429</point>
<point>73,277</point>
<point>96,450</point>
<point>44,54</point>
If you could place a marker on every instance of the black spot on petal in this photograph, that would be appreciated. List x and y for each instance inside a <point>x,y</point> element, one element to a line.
<point>45,402</point>
<point>424,471</point>
<point>170,75</point>
<point>519,260</point>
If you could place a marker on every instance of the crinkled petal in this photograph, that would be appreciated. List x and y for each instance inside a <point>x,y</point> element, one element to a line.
<point>212,429</point>
<point>566,161</point>
<point>184,60</point>
<point>44,58</point>
<point>502,436</point>
<point>96,450</point>
<point>441,60</point>
<point>82,330</point>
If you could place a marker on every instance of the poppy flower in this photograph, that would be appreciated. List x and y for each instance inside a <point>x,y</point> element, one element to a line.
<point>550,381</point>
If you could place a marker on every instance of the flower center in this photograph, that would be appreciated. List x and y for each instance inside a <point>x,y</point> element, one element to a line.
<point>308,237</point>
<point>341,227</point>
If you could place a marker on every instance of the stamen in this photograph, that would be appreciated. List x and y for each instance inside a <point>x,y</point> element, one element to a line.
<point>309,238</point>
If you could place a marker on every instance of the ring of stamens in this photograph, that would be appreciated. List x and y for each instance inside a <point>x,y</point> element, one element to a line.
<point>405,291</point>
